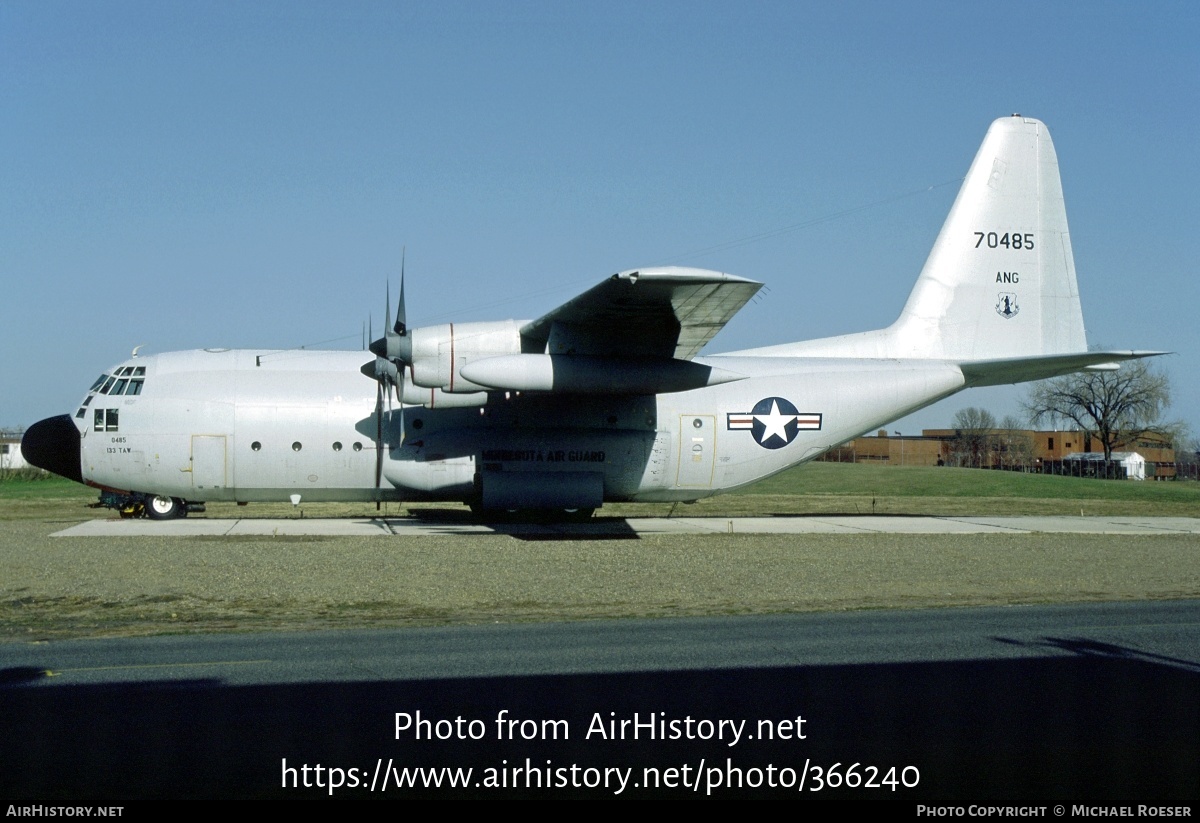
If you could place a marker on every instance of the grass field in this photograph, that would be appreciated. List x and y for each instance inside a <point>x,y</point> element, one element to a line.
<point>815,488</point>
<point>52,587</point>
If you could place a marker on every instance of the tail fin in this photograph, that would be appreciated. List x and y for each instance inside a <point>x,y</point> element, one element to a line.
<point>1000,281</point>
<point>999,284</point>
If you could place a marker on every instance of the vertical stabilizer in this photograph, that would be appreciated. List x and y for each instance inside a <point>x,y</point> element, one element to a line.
<point>1000,281</point>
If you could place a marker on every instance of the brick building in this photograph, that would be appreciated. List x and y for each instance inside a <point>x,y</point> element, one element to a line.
<point>1023,449</point>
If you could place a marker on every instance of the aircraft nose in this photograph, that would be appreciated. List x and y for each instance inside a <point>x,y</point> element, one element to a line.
<point>53,444</point>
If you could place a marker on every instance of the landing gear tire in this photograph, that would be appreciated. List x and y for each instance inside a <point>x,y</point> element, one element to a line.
<point>160,507</point>
<point>577,515</point>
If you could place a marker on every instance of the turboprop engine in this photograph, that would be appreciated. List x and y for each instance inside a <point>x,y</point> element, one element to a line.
<point>436,355</point>
<point>577,349</point>
<point>423,364</point>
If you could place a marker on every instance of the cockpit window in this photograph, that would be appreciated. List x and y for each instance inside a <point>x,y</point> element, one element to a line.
<point>135,387</point>
<point>140,371</point>
<point>108,385</point>
<point>99,382</point>
<point>119,388</point>
<point>106,419</point>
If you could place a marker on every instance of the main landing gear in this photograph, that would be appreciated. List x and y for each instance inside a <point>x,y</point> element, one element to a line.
<point>154,506</point>
<point>581,515</point>
<point>160,507</point>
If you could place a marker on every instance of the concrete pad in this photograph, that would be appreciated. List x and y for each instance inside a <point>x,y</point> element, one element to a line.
<point>1092,525</point>
<point>916,525</point>
<point>415,527</point>
<point>310,526</point>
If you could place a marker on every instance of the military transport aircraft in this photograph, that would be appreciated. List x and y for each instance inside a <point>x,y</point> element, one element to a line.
<point>603,398</point>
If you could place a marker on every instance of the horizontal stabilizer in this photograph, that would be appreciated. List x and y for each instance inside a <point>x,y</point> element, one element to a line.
<point>1020,369</point>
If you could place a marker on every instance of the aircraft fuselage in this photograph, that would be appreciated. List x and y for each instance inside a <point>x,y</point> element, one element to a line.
<point>229,425</point>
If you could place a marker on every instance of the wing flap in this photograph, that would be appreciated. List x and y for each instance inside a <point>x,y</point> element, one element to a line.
<point>667,312</point>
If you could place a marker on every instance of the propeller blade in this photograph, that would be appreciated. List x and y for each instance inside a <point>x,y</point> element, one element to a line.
<point>387,308</point>
<point>401,316</point>
<point>400,400</point>
<point>379,440</point>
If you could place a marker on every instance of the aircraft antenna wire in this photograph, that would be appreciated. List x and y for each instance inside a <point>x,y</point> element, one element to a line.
<point>804,224</point>
<point>688,255</point>
<point>728,244</point>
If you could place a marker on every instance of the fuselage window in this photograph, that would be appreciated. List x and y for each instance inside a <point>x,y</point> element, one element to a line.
<point>337,447</point>
<point>135,387</point>
<point>296,446</point>
<point>358,447</point>
<point>255,446</point>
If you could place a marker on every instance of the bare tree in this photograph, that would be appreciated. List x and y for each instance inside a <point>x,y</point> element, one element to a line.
<point>1187,457</point>
<point>1015,442</point>
<point>1109,406</point>
<point>974,430</point>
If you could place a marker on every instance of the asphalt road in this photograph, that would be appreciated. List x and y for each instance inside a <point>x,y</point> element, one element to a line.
<point>1071,704</point>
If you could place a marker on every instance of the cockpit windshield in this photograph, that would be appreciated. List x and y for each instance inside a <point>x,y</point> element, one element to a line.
<point>125,380</point>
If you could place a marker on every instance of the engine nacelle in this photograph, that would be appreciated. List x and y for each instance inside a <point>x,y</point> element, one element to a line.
<point>439,352</point>
<point>438,399</point>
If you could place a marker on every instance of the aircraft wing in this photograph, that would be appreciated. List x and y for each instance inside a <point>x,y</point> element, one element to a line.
<point>669,312</point>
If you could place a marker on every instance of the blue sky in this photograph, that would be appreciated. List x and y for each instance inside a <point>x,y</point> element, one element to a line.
<point>182,175</point>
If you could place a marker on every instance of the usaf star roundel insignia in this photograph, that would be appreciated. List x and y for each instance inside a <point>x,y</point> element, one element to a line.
<point>773,422</point>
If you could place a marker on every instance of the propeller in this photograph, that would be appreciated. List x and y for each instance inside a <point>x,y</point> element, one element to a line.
<point>396,343</point>
<point>393,352</point>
